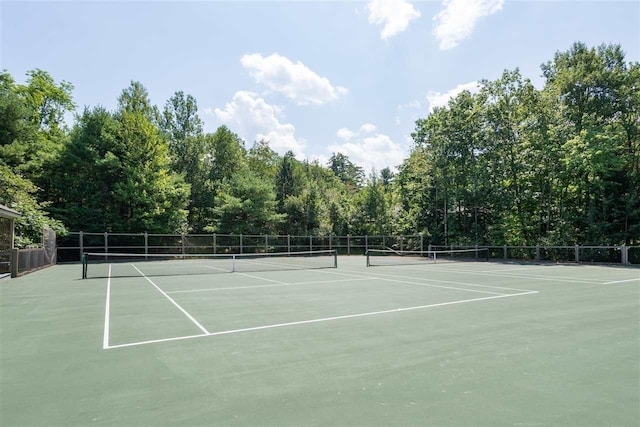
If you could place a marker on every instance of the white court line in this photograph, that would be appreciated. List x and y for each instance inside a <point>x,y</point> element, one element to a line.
<point>429,285</point>
<point>547,278</point>
<point>269,286</point>
<point>262,278</point>
<point>324,319</point>
<point>448,281</point>
<point>622,281</point>
<point>105,339</point>
<point>511,269</point>
<point>174,303</point>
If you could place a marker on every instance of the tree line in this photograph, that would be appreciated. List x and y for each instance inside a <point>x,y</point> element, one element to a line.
<point>510,164</point>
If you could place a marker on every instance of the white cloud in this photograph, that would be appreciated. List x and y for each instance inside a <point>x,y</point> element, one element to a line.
<point>368,149</point>
<point>438,99</point>
<point>367,128</point>
<point>254,119</point>
<point>344,133</point>
<point>457,20</point>
<point>395,15</point>
<point>295,80</point>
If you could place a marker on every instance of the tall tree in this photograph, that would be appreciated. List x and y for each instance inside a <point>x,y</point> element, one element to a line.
<point>32,133</point>
<point>121,178</point>
<point>187,149</point>
<point>246,205</point>
<point>348,172</point>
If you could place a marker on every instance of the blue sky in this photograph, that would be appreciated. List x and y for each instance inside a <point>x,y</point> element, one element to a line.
<point>311,77</point>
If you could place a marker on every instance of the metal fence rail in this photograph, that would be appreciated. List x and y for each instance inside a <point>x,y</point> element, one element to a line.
<point>71,247</point>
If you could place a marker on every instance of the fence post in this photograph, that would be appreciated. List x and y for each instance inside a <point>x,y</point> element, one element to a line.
<point>366,243</point>
<point>421,243</point>
<point>266,243</point>
<point>329,241</point>
<point>241,243</point>
<point>310,242</point>
<point>537,252</point>
<point>625,254</point>
<point>401,245</point>
<point>106,242</point>
<point>215,244</point>
<point>577,254</point>
<point>182,242</point>
<point>146,243</point>
<point>348,245</point>
<point>13,260</point>
<point>81,245</point>
<point>288,243</point>
<point>504,252</point>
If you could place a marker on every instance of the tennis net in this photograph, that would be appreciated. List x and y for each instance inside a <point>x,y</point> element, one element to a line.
<point>95,265</point>
<point>379,257</point>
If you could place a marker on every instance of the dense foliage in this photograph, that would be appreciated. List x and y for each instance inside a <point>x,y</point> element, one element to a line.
<point>511,164</point>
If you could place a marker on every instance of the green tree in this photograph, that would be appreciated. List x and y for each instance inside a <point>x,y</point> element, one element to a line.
<point>20,194</point>
<point>187,148</point>
<point>121,178</point>
<point>263,160</point>
<point>31,135</point>
<point>596,125</point>
<point>348,172</point>
<point>246,205</point>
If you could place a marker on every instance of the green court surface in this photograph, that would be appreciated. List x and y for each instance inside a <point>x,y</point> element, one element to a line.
<point>445,344</point>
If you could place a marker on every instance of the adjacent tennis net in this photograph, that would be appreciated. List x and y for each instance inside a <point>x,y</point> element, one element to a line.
<point>130,265</point>
<point>379,257</point>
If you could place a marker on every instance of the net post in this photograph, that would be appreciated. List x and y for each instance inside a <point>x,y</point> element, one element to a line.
<point>504,252</point>
<point>106,242</point>
<point>233,263</point>
<point>625,254</point>
<point>84,266</point>
<point>289,243</point>
<point>335,259</point>
<point>368,263</point>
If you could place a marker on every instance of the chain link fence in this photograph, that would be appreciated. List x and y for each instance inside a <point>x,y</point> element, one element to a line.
<point>72,246</point>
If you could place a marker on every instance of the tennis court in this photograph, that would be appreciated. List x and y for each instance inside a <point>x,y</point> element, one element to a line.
<point>454,343</point>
